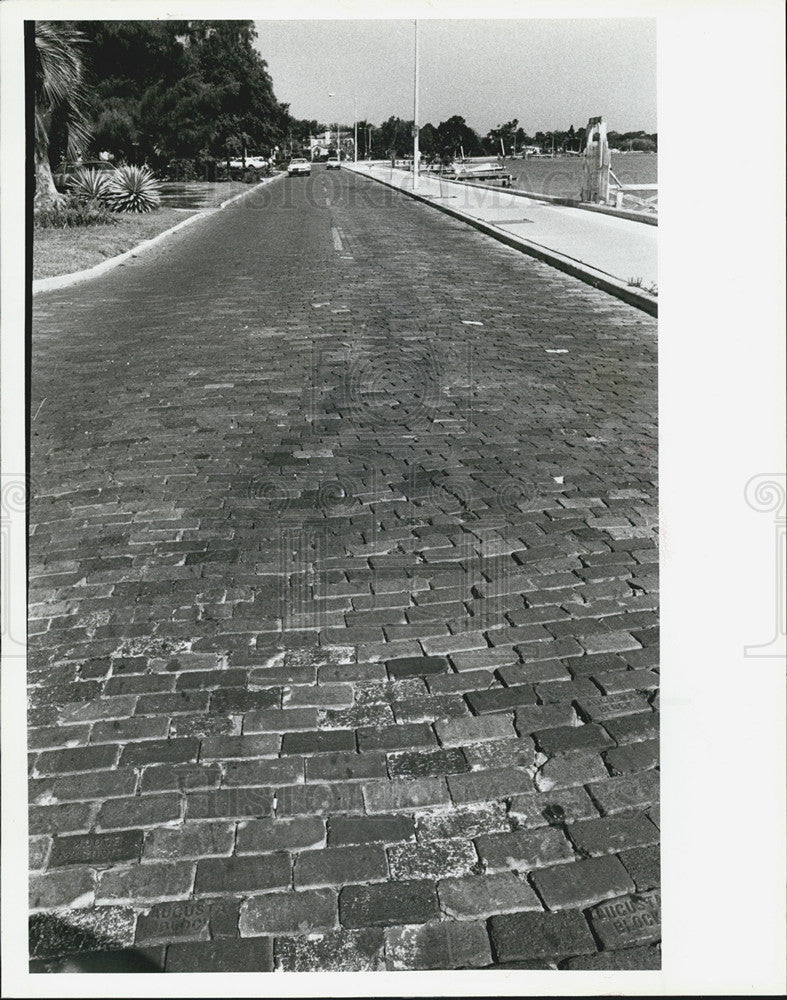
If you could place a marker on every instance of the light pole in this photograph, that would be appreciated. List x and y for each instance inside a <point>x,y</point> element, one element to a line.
<point>355,130</point>
<point>416,151</point>
<point>338,149</point>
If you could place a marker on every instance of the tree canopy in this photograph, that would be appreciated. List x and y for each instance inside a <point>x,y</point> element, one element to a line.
<point>168,89</point>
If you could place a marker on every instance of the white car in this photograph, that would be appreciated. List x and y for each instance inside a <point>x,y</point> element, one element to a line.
<point>252,162</point>
<point>299,166</point>
<point>333,163</point>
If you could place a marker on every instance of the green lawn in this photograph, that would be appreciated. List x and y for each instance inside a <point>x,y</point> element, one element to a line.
<point>63,251</point>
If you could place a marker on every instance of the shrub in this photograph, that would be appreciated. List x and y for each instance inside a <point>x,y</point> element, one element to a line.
<point>72,211</point>
<point>133,189</point>
<point>182,169</point>
<point>88,184</point>
<point>251,176</point>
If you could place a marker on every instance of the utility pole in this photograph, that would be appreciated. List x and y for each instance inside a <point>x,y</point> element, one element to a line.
<point>416,151</point>
<point>355,130</point>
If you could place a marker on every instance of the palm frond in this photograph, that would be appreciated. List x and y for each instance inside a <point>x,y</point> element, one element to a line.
<point>59,88</point>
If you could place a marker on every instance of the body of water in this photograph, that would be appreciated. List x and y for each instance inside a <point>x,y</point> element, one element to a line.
<point>561,177</point>
<point>195,195</point>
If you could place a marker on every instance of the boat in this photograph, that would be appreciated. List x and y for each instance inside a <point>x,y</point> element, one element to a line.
<point>462,170</point>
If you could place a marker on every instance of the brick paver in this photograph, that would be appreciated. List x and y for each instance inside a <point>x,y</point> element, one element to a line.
<point>342,601</point>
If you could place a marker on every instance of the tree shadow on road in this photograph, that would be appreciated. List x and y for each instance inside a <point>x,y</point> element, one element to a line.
<point>57,945</point>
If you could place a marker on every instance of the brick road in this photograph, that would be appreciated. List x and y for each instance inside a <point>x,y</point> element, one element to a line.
<point>343,601</point>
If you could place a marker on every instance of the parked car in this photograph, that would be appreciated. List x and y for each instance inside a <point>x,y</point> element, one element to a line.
<point>334,163</point>
<point>299,166</point>
<point>253,162</point>
<point>67,168</point>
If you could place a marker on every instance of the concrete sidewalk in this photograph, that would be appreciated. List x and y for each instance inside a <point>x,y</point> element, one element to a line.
<point>605,250</point>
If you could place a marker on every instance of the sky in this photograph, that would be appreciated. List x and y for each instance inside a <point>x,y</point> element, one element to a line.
<point>549,74</point>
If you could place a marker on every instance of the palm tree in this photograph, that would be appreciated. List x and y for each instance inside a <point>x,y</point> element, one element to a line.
<point>60,101</point>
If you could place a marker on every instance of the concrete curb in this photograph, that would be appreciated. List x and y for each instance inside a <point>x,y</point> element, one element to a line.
<point>620,213</point>
<point>65,280</point>
<point>577,269</point>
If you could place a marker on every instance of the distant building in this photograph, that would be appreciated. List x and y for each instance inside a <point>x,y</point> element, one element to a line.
<point>320,144</point>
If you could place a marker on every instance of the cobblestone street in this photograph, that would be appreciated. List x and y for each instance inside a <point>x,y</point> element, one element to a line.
<point>344,601</point>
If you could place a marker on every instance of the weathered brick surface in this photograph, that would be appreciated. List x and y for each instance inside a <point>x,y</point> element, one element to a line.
<point>486,786</point>
<point>582,882</point>
<point>462,822</point>
<point>335,951</point>
<point>288,912</point>
<point>229,802</point>
<point>243,874</point>
<point>644,865</point>
<point>81,930</point>
<point>566,738</point>
<point>613,834</point>
<point>439,945</point>
<point>432,859</point>
<point>555,808</point>
<point>624,793</point>
<point>38,852</point>
<point>188,920</point>
<point>141,811</point>
<point>73,887</point>
<point>252,955</point>
<point>500,699</point>
<point>171,880</point>
<point>368,829</point>
<point>501,754</point>
<point>628,959</point>
<point>400,793</point>
<point>484,895</point>
<point>316,573</point>
<point>523,936</point>
<point>339,866</point>
<point>101,848</point>
<point>265,836</point>
<point>574,768</point>
<point>523,850</point>
<point>457,732</point>
<point>635,757</point>
<point>426,763</point>
<point>388,903</point>
<point>628,920</point>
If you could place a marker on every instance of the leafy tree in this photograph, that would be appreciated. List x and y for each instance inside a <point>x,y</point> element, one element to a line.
<point>506,133</point>
<point>181,89</point>
<point>61,122</point>
<point>428,142</point>
<point>395,137</point>
<point>455,133</point>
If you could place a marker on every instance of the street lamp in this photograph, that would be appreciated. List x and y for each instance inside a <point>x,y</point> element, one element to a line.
<point>338,148</point>
<point>416,151</point>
